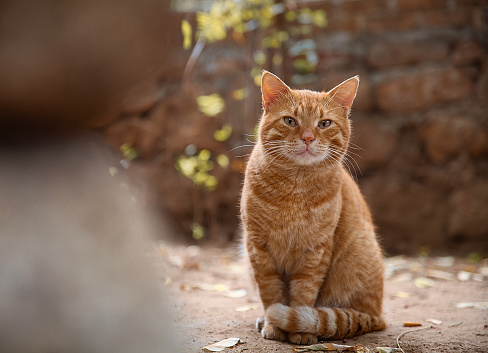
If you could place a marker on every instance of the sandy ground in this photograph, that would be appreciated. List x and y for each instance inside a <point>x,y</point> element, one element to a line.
<point>213,299</point>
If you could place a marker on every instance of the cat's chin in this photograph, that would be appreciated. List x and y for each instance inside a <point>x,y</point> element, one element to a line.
<point>308,158</point>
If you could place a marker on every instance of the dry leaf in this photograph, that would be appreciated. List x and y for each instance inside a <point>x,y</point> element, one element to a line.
<point>387,350</point>
<point>483,270</point>
<point>213,287</point>
<point>446,261</point>
<point>423,282</point>
<point>434,321</point>
<point>464,275</point>
<point>441,275</point>
<point>403,277</point>
<point>221,345</point>
<point>320,347</point>
<point>476,305</point>
<point>411,324</point>
<point>332,347</point>
<point>402,294</point>
<point>238,293</point>
<point>478,277</point>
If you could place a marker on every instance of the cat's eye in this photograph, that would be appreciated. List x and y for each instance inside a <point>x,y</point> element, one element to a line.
<point>290,121</point>
<point>324,123</point>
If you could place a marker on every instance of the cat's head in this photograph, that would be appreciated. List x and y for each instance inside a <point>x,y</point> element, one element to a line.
<point>305,127</point>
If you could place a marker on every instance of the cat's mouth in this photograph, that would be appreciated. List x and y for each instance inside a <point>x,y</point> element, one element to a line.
<point>307,156</point>
<point>307,152</point>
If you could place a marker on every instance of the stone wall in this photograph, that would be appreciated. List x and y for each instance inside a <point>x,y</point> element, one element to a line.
<point>420,121</point>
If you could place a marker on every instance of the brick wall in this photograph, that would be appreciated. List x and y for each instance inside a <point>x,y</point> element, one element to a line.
<point>420,120</point>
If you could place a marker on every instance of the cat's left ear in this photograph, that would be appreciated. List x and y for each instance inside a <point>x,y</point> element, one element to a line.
<point>345,93</point>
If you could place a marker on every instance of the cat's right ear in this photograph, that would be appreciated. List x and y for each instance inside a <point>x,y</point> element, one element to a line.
<point>272,88</point>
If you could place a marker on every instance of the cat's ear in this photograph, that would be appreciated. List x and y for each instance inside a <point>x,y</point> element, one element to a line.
<point>272,88</point>
<point>345,93</point>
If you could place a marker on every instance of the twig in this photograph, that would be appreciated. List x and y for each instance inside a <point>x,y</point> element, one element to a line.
<point>455,324</point>
<point>404,333</point>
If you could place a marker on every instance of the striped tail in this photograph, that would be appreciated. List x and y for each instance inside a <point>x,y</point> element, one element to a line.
<point>328,323</point>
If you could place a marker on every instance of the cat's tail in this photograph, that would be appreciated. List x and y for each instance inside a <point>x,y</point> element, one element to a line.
<point>329,323</point>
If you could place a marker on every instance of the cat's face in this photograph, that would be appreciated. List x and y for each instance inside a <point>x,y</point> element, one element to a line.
<point>305,127</point>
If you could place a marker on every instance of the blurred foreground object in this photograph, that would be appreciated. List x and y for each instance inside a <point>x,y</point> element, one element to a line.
<point>63,62</point>
<point>74,270</point>
<point>74,274</point>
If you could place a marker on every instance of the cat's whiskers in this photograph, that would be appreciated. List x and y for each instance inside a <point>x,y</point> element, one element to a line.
<point>348,160</point>
<point>241,146</point>
<point>354,146</point>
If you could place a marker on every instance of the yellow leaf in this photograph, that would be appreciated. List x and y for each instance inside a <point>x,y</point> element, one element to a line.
<point>240,94</point>
<point>259,57</point>
<point>187,32</point>
<point>319,18</point>
<point>223,160</point>
<point>204,155</point>
<point>211,105</point>
<point>290,16</point>
<point>224,133</point>
<point>198,232</point>
<point>211,183</point>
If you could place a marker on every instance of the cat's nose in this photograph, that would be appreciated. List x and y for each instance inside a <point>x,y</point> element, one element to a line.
<point>308,137</point>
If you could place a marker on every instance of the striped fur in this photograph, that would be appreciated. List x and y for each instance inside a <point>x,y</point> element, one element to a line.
<point>327,323</point>
<point>308,232</point>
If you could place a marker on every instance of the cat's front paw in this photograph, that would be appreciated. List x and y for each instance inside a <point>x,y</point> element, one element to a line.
<point>271,332</point>
<point>302,338</point>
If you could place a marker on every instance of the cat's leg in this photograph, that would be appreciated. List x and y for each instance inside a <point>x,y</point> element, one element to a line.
<point>307,279</point>
<point>271,288</point>
<point>304,286</point>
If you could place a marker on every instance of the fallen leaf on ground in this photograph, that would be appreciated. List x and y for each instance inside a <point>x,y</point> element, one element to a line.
<point>483,270</point>
<point>238,293</point>
<point>213,287</point>
<point>446,261</point>
<point>387,350</point>
<point>332,347</point>
<point>441,275</point>
<point>403,277</point>
<point>246,308</point>
<point>478,277</point>
<point>434,321</point>
<point>402,294</point>
<point>411,324</point>
<point>464,275</point>
<point>221,345</point>
<point>476,305</point>
<point>423,282</point>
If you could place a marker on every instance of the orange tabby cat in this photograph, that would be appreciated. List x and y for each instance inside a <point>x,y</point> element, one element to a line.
<point>308,231</point>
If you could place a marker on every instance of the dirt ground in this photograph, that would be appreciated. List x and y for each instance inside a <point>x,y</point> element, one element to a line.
<point>213,299</point>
